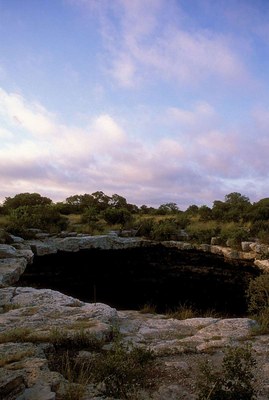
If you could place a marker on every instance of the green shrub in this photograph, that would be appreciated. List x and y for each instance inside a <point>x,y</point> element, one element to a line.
<point>258,294</point>
<point>202,232</point>
<point>46,218</point>
<point>234,381</point>
<point>234,233</point>
<point>117,216</point>
<point>122,369</point>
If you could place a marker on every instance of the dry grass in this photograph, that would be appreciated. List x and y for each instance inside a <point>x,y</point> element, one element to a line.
<point>4,221</point>
<point>10,306</point>
<point>9,359</point>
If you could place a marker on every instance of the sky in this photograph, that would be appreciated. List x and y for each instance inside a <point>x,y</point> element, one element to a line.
<point>158,101</point>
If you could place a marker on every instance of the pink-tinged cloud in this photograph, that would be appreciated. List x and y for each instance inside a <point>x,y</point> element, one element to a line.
<point>154,41</point>
<point>196,159</point>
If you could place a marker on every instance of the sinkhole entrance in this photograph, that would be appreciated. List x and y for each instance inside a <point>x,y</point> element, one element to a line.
<point>157,275</point>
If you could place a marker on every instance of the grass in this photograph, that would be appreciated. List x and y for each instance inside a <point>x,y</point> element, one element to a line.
<point>4,221</point>
<point>148,309</point>
<point>122,370</point>
<point>60,338</point>
<point>5,360</point>
<point>262,327</point>
<point>10,306</point>
<point>15,335</point>
<point>183,311</point>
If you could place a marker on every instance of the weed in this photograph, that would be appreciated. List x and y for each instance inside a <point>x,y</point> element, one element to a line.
<point>75,340</point>
<point>234,381</point>
<point>122,369</point>
<point>148,309</point>
<point>10,306</point>
<point>15,357</point>
<point>183,311</point>
<point>15,335</point>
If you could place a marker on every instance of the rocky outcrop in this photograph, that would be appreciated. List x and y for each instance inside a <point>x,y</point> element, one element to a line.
<point>31,319</point>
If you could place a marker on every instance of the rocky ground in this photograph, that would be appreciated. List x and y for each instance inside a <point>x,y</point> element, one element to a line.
<point>29,317</point>
<point>32,320</point>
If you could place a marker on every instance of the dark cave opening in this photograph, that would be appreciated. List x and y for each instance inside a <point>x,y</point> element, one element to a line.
<point>160,276</point>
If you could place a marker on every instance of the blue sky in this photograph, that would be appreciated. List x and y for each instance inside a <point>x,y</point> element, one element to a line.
<point>155,100</point>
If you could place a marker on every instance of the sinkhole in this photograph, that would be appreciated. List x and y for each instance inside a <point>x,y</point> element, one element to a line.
<point>135,277</point>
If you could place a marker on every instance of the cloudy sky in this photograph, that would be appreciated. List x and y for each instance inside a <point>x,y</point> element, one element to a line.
<point>155,100</point>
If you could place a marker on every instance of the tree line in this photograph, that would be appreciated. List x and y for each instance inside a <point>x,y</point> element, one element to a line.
<point>31,210</point>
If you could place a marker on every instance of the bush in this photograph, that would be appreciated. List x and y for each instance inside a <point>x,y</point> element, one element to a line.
<point>45,218</point>
<point>121,370</point>
<point>166,229</point>
<point>118,216</point>
<point>235,380</point>
<point>234,233</point>
<point>202,232</point>
<point>258,294</point>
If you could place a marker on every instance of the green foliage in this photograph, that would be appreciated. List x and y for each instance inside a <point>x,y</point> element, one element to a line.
<point>258,303</point>
<point>26,199</point>
<point>121,369</point>
<point>202,232</point>
<point>145,226</point>
<point>235,208</point>
<point>260,210</point>
<point>98,211</point>
<point>205,213</point>
<point>234,233</point>
<point>78,340</point>
<point>117,216</point>
<point>166,229</point>
<point>41,217</point>
<point>235,380</point>
<point>260,229</point>
<point>258,294</point>
<point>168,208</point>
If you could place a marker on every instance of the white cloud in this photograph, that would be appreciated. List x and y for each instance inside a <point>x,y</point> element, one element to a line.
<point>30,116</point>
<point>149,40</point>
<point>202,113</point>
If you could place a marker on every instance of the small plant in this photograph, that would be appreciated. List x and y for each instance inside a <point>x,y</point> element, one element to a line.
<point>121,369</point>
<point>10,306</point>
<point>78,340</point>
<point>148,309</point>
<point>15,357</point>
<point>234,381</point>
<point>15,335</point>
<point>258,294</point>
<point>77,374</point>
<point>183,311</point>
<point>258,303</point>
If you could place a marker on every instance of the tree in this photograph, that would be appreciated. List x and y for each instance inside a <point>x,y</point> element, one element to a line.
<point>260,210</point>
<point>117,216</point>
<point>101,200</point>
<point>168,208</point>
<point>26,199</point>
<point>46,218</point>
<point>235,208</point>
<point>118,201</point>
<point>192,210</point>
<point>205,213</point>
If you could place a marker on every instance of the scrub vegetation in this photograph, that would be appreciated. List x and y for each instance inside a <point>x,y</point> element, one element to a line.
<point>235,219</point>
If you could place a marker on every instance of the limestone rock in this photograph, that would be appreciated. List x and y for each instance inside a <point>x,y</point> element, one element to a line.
<point>11,270</point>
<point>7,251</point>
